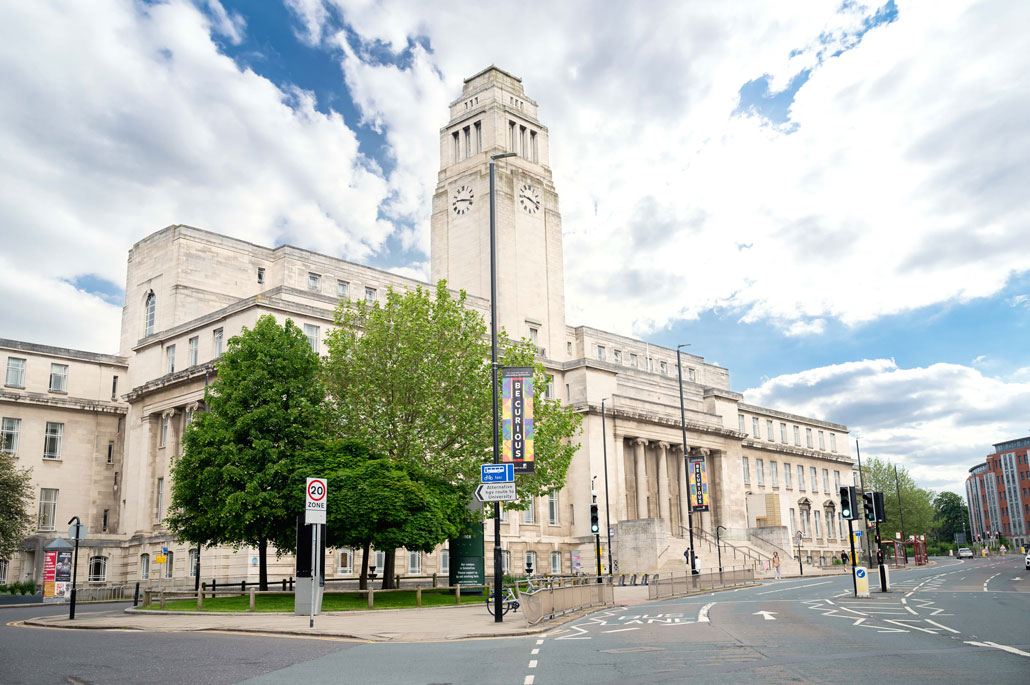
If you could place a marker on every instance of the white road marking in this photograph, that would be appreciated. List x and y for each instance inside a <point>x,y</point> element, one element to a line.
<point>619,630</point>
<point>769,615</point>
<point>540,642</point>
<point>910,594</point>
<point>995,645</point>
<point>1017,578</point>
<point>702,616</point>
<point>795,587</point>
<point>535,651</point>
<point>905,623</point>
<point>911,610</point>
<point>950,630</point>
<point>989,580</point>
<point>532,663</point>
<point>529,680</point>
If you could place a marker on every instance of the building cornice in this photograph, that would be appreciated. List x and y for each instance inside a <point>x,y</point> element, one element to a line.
<point>63,402</point>
<point>64,352</point>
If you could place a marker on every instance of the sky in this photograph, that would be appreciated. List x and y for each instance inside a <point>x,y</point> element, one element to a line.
<point>830,199</point>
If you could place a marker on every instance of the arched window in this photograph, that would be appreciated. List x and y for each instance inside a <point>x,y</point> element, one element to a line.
<point>151,307</point>
<point>97,569</point>
<point>144,566</point>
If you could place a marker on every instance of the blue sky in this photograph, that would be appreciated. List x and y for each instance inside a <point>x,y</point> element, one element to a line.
<point>828,199</point>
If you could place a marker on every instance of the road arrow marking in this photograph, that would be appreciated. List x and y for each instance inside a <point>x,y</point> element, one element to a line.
<point>767,614</point>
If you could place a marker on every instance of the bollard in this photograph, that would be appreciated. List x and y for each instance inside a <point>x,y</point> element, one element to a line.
<point>371,592</point>
<point>457,594</point>
<point>146,598</point>
<point>253,594</point>
<point>200,600</point>
<point>243,586</point>
<point>291,583</point>
<point>214,587</point>
<point>161,595</point>
<point>284,585</point>
<point>135,597</point>
<point>434,580</point>
<point>418,596</point>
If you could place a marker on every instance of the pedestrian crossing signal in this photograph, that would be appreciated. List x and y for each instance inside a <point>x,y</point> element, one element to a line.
<point>595,522</point>
<point>848,502</point>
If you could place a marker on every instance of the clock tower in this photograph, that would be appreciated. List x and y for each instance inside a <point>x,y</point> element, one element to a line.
<point>492,116</point>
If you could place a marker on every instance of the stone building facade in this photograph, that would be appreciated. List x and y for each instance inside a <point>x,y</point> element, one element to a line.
<point>189,290</point>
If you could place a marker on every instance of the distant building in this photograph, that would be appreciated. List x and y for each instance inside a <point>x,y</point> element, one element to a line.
<point>115,422</point>
<point>998,493</point>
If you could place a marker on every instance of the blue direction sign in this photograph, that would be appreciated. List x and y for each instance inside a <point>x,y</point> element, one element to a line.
<point>860,572</point>
<point>498,473</point>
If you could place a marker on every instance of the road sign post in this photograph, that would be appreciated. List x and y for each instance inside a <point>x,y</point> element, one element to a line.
<point>851,537</point>
<point>315,495</point>
<point>496,492</point>
<point>497,473</point>
<point>797,540</point>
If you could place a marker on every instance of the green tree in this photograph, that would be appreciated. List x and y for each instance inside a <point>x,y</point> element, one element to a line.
<point>15,504</point>
<point>952,514</point>
<point>916,503</point>
<point>411,379</point>
<point>237,481</point>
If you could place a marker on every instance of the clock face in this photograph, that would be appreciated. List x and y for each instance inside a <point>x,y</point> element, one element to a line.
<point>462,200</point>
<point>529,198</point>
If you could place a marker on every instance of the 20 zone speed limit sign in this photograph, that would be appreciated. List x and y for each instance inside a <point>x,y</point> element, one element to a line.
<point>315,496</point>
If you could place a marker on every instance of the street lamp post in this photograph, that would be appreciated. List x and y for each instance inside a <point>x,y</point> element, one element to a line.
<point>75,565</point>
<point>686,464</point>
<point>498,571</point>
<point>718,548</point>
<point>607,511</point>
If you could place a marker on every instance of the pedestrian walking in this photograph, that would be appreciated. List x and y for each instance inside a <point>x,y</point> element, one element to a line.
<point>844,559</point>
<point>776,565</point>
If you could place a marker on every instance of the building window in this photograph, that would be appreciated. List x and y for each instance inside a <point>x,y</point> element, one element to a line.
<point>531,567</point>
<point>312,334</point>
<point>663,368</point>
<point>773,475</point>
<point>801,477</point>
<point>505,561</point>
<point>15,372</point>
<point>47,508</point>
<point>104,526</point>
<point>445,561</point>
<point>783,433</point>
<point>216,340</point>
<point>9,430</point>
<point>755,433</point>
<point>747,471</point>
<point>504,514</point>
<point>529,515</point>
<point>808,438</point>
<point>769,430</point>
<point>52,440</point>
<point>370,295</point>
<point>740,422</point>
<point>261,274</point>
<point>633,361</point>
<point>797,436</point>
<point>114,387</point>
<point>759,472</point>
<point>150,312</point>
<point>814,478</point>
<point>818,529</point>
<point>552,508</point>
<point>414,563</point>
<point>555,563</point>
<point>826,480</point>
<point>3,571</point>
<point>170,353</point>
<point>840,524</point>
<point>617,356</point>
<point>116,478</point>
<point>110,451</point>
<point>194,351</point>
<point>343,289</point>
<point>314,282</point>
<point>568,348</point>
<point>822,441</point>
<point>345,560</point>
<point>690,375</point>
<point>534,333</point>
<point>786,476</point>
<point>791,523</point>
<point>144,566</point>
<point>163,437</point>
<point>601,354</point>
<point>833,442</point>
<point>97,569</point>
<point>160,499</point>
<point>58,378</point>
<point>804,523</point>
<point>193,563</point>
<point>836,480</point>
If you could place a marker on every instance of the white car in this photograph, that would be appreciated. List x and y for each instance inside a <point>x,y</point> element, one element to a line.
<point>1027,561</point>
<point>966,553</point>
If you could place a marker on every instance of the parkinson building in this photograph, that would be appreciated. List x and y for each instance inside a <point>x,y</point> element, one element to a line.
<point>100,431</point>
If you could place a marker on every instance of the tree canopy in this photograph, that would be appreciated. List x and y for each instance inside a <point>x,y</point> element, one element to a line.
<point>916,503</point>
<point>16,498</point>
<point>952,515</point>
<point>237,480</point>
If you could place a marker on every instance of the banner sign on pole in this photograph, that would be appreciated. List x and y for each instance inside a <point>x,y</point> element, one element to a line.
<point>315,501</point>
<point>517,417</point>
<point>698,484</point>
<point>49,573</point>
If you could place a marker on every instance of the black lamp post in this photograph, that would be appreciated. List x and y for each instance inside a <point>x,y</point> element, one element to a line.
<point>686,465</point>
<point>498,571</point>
<point>718,547</point>
<point>607,511</point>
<point>75,565</point>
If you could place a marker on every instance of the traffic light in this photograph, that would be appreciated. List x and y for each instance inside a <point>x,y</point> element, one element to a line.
<point>848,503</point>
<point>867,507</point>
<point>881,517</point>
<point>595,522</point>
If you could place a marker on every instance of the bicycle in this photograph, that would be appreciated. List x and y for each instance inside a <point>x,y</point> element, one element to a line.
<point>509,602</point>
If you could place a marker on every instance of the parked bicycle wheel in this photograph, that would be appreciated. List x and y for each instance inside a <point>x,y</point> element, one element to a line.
<point>505,605</point>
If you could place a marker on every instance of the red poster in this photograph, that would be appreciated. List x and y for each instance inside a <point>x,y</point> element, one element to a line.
<point>49,573</point>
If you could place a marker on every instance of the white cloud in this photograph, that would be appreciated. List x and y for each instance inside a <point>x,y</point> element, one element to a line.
<point>121,118</point>
<point>937,421</point>
<point>901,187</point>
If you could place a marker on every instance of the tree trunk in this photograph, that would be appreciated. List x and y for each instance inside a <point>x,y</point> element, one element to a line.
<point>363,578</point>
<point>263,564</point>
<point>388,569</point>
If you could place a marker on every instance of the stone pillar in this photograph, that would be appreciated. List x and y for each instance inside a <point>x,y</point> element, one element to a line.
<point>638,459</point>
<point>684,492</point>
<point>663,483</point>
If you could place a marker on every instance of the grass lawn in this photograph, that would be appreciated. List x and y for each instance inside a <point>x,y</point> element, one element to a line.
<point>332,601</point>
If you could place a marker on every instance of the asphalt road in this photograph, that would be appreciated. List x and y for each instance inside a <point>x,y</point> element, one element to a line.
<point>957,621</point>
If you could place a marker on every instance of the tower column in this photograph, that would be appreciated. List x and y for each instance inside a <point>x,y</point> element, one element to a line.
<point>663,482</point>
<point>638,458</point>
